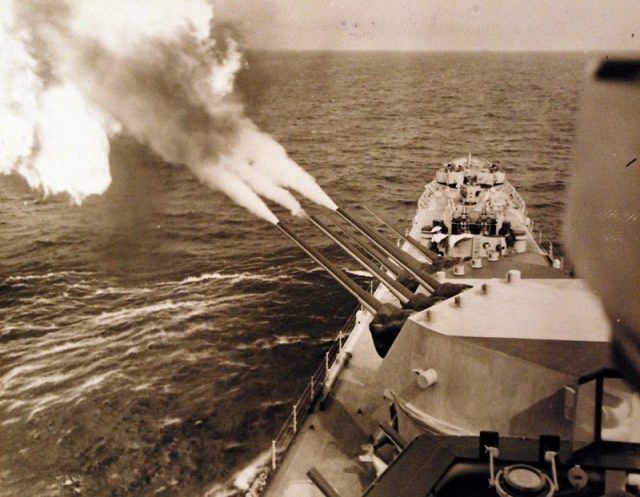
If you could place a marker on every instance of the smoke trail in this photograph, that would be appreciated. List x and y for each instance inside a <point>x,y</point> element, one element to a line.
<point>76,71</point>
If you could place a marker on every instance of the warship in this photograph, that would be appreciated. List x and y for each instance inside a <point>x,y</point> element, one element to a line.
<point>478,365</point>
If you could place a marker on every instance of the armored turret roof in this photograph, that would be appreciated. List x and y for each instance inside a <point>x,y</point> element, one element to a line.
<point>544,321</point>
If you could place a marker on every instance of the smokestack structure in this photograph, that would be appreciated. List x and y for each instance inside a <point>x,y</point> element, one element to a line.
<point>402,258</point>
<point>429,254</point>
<point>400,292</point>
<point>366,299</point>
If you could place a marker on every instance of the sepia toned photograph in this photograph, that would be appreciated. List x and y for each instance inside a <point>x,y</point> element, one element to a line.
<point>319,248</point>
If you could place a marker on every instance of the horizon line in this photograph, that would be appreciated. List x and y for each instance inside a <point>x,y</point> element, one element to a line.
<point>455,50</point>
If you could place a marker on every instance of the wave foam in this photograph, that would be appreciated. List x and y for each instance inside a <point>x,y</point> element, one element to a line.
<point>247,480</point>
<point>233,277</point>
<point>47,276</point>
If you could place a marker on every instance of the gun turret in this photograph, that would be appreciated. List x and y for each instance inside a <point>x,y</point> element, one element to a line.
<point>388,319</point>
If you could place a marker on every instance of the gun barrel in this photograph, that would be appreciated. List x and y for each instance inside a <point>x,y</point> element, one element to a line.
<point>401,292</point>
<point>429,254</point>
<point>365,298</point>
<point>375,254</point>
<point>402,258</point>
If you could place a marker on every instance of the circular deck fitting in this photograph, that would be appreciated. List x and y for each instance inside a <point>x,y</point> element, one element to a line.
<point>513,276</point>
<point>521,480</point>
<point>426,377</point>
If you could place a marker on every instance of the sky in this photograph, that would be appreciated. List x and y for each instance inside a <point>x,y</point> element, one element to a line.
<point>508,25</point>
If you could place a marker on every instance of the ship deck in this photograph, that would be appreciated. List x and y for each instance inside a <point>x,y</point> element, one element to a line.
<point>330,440</point>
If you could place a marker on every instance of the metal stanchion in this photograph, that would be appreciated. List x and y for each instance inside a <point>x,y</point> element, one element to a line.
<point>295,418</point>
<point>273,455</point>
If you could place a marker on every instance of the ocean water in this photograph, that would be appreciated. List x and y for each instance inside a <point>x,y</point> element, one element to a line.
<point>153,340</point>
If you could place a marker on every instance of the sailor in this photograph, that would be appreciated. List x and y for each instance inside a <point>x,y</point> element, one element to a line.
<point>483,221</point>
<point>439,226</point>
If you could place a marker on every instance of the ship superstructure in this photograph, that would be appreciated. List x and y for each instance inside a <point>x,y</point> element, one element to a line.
<point>472,210</point>
<point>473,329</point>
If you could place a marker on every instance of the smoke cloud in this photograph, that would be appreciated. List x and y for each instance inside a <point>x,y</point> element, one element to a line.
<point>75,72</point>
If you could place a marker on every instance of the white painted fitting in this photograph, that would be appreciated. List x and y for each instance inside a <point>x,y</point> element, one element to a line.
<point>557,264</point>
<point>633,479</point>
<point>459,270</point>
<point>441,276</point>
<point>476,262</point>
<point>428,315</point>
<point>426,377</point>
<point>513,276</point>
<point>494,255</point>
<point>569,403</point>
<point>520,245</point>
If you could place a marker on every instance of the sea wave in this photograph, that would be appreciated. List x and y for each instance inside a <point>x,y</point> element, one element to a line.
<point>245,482</point>
<point>232,277</point>
<point>47,276</point>
<point>135,313</point>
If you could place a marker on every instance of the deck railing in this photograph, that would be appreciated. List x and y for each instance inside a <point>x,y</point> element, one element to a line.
<point>519,202</point>
<point>304,404</point>
<point>549,251</point>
